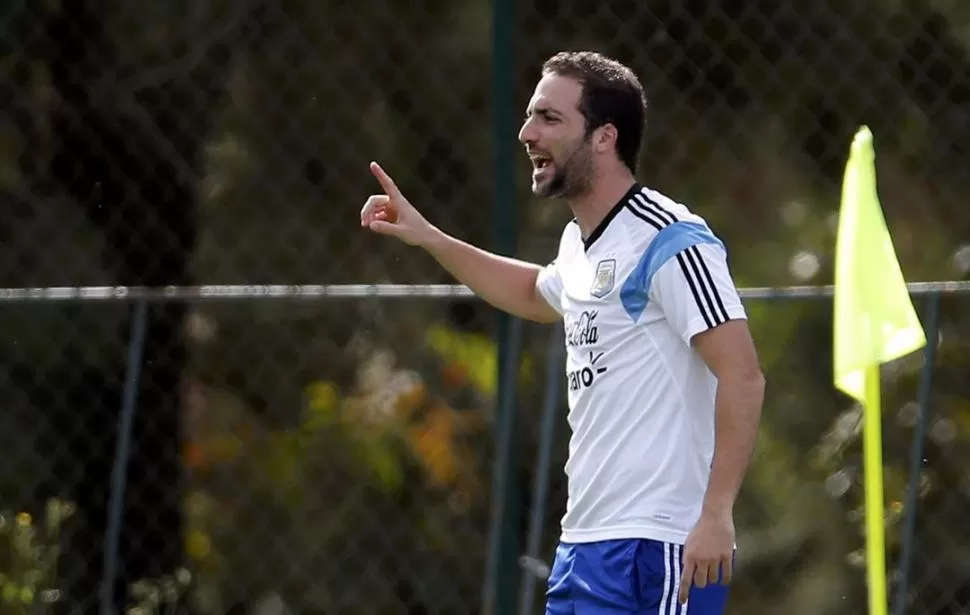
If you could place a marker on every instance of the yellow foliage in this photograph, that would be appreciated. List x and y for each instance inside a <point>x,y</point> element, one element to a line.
<point>472,356</point>
<point>197,545</point>
<point>432,440</point>
<point>323,399</point>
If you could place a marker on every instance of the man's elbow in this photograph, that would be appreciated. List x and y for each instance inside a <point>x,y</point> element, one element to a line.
<point>757,385</point>
<point>743,379</point>
<point>749,384</point>
<point>755,378</point>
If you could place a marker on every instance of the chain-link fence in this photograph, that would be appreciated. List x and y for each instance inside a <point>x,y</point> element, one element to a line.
<point>335,455</point>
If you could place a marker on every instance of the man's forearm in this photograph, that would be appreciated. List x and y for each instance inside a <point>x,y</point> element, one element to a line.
<point>506,283</point>
<point>737,414</point>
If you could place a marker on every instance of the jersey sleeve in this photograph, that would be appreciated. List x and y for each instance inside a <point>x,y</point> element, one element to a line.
<point>549,285</point>
<point>695,290</point>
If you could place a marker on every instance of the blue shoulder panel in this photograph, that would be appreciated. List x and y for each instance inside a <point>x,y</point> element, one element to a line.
<point>669,242</point>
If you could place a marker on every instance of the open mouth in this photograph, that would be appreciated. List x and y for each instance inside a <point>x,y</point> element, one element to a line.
<point>540,162</point>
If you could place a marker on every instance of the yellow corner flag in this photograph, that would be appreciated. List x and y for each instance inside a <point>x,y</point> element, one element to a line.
<point>875,322</point>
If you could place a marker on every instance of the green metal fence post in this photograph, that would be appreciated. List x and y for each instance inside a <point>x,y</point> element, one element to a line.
<point>916,458</point>
<point>119,472</point>
<point>501,576</point>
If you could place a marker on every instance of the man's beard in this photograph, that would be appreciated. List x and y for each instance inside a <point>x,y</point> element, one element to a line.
<point>573,177</point>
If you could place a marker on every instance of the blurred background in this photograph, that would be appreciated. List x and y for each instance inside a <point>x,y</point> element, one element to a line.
<point>397,455</point>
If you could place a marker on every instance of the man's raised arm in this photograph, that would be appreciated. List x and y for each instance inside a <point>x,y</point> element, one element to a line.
<point>506,283</point>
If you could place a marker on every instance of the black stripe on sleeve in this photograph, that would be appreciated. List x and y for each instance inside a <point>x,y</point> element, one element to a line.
<point>711,316</point>
<point>721,311</point>
<point>694,289</point>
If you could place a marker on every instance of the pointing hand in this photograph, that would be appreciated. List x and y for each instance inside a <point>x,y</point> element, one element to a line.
<point>392,214</point>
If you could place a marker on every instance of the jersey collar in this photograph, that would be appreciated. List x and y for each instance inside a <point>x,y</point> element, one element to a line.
<point>601,227</point>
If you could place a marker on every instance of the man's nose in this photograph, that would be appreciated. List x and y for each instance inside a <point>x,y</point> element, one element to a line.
<point>527,134</point>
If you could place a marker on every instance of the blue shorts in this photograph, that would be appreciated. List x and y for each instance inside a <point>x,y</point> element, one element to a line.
<point>629,577</point>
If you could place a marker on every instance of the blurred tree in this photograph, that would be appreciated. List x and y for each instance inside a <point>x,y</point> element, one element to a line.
<point>130,158</point>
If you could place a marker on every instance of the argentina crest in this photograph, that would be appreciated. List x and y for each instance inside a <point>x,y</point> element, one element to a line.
<point>603,279</point>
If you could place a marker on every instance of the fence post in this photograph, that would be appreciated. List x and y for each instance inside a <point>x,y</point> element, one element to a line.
<point>916,458</point>
<point>501,576</point>
<point>136,343</point>
<point>533,568</point>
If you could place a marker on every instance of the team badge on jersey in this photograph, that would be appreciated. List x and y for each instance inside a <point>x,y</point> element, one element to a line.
<point>603,279</point>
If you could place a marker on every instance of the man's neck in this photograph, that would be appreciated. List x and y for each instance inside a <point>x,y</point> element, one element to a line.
<point>591,208</point>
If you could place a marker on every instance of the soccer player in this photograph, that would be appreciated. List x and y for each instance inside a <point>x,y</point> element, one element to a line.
<point>664,385</point>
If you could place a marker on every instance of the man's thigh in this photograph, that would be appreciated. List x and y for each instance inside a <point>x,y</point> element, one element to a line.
<point>625,577</point>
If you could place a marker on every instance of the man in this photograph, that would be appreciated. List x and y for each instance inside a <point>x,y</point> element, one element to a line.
<point>663,381</point>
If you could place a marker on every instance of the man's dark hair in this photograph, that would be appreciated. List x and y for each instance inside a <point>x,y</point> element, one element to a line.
<point>612,94</point>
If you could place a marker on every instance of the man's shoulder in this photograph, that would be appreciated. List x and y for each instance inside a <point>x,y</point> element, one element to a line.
<point>653,215</point>
<point>661,208</point>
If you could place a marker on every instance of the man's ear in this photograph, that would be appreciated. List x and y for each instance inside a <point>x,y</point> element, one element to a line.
<point>605,139</point>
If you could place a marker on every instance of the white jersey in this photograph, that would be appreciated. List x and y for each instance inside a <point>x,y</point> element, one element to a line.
<point>641,400</point>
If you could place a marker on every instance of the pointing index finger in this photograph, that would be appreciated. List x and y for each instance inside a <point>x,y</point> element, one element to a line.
<point>390,188</point>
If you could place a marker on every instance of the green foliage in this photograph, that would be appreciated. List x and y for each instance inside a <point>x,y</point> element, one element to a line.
<point>29,549</point>
<point>325,485</point>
